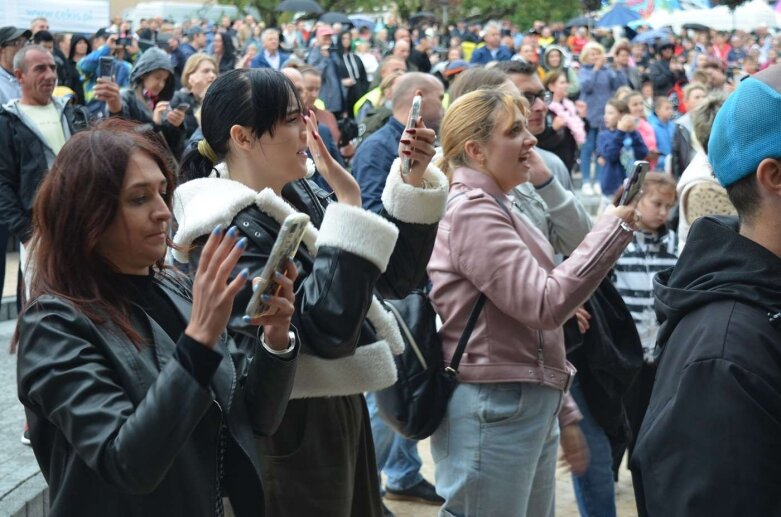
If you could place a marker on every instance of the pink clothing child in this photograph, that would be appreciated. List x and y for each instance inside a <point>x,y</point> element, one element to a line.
<point>637,110</point>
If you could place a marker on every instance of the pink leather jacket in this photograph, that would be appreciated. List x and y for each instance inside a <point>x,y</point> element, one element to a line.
<point>482,247</point>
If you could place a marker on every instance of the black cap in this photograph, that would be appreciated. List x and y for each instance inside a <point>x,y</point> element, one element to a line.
<point>104,32</point>
<point>194,31</point>
<point>11,33</point>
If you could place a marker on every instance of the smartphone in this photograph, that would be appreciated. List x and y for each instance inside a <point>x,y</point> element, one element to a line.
<point>183,107</point>
<point>635,181</point>
<point>285,248</point>
<point>106,67</point>
<point>414,113</point>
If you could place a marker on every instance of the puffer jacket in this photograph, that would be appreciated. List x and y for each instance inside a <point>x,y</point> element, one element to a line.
<point>126,431</point>
<point>483,247</point>
<point>347,252</point>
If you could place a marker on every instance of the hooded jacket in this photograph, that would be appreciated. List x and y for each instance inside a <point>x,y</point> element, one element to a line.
<point>135,108</point>
<point>709,444</point>
<point>569,72</point>
<point>25,157</point>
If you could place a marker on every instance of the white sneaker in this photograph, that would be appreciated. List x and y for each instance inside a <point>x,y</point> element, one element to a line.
<point>586,190</point>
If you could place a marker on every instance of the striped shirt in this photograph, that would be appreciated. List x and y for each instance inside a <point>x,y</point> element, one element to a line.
<point>647,254</point>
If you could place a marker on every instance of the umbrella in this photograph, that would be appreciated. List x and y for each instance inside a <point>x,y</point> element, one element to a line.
<point>639,23</point>
<point>419,17</point>
<point>360,22</point>
<point>334,17</point>
<point>695,27</point>
<point>581,21</point>
<point>651,36</point>
<point>618,15</point>
<point>294,6</point>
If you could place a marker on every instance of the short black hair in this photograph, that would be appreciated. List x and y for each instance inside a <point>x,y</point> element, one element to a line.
<point>516,67</point>
<point>744,194</point>
<point>43,36</point>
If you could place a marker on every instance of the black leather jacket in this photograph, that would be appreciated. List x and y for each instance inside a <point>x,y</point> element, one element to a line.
<point>126,432</point>
<point>334,289</point>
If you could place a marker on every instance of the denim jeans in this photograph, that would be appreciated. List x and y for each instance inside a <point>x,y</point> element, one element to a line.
<point>396,456</point>
<point>594,490</point>
<point>495,451</point>
<point>587,149</point>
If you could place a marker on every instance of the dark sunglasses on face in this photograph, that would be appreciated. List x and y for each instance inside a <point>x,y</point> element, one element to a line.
<point>543,95</point>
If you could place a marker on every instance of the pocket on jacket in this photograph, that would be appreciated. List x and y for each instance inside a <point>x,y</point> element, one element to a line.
<point>290,439</point>
<point>499,402</point>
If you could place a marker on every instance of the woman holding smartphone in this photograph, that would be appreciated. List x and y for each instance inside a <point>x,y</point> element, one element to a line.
<point>251,171</point>
<point>514,375</point>
<point>138,402</point>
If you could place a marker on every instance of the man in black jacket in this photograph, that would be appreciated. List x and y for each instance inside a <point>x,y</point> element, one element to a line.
<point>666,71</point>
<point>709,444</point>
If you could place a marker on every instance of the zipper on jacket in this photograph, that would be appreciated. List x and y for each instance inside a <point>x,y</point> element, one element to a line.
<point>219,509</point>
<point>317,204</point>
<point>541,352</point>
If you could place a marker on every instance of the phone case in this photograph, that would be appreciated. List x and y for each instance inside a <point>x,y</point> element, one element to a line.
<point>413,117</point>
<point>285,247</point>
<point>635,183</point>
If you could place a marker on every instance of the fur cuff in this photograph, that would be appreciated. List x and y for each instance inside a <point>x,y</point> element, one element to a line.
<point>409,204</point>
<point>358,231</point>
<point>371,368</point>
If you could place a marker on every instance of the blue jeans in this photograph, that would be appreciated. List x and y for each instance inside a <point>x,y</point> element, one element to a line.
<point>396,456</point>
<point>594,490</point>
<point>587,149</point>
<point>495,451</point>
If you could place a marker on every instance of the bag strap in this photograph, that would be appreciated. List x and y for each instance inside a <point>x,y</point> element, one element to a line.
<point>452,370</point>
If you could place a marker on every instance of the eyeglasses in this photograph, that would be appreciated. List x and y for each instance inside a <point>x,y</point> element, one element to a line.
<point>543,95</point>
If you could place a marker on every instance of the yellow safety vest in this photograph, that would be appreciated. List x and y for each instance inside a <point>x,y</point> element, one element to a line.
<point>372,96</point>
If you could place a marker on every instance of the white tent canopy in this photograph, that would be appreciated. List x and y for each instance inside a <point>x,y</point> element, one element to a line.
<point>747,17</point>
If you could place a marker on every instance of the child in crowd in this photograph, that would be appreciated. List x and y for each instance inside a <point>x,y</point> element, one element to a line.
<point>618,145</point>
<point>634,102</point>
<point>664,129</point>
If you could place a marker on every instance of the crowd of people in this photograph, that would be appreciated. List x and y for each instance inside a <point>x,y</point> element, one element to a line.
<point>145,173</point>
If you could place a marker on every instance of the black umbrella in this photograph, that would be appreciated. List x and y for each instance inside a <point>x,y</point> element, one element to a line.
<point>419,17</point>
<point>334,17</point>
<point>581,21</point>
<point>695,27</point>
<point>293,6</point>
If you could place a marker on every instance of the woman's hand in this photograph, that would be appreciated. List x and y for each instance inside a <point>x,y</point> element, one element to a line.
<point>175,117</point>
<point>574,450</point>
<point>342,182</point>
<point>627,213</point>
<point>538,171</point>
<point>108,91</point>
<point>213,294</point>
<point>276,324</point>
<point>157,114</point>
<point>417,144</point>
<point>583,316</point>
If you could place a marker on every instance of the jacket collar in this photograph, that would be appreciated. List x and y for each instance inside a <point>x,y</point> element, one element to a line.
<point>475,179</point>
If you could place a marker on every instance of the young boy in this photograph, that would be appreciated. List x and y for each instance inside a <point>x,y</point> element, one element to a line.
<point>664,129</point>
<point>619,145</point>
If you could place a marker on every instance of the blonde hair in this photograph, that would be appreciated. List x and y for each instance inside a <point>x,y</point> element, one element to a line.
<point>491,107</point>
<point>585,52</point>
<point>192,64</point>
<point>386,85</point>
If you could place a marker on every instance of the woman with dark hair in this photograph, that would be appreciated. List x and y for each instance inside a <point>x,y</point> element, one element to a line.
<point>80,47</point>
<point>138,402</point>
<point>252,168</point>
<point>355,83</point>
<point>224,52</point>
<point>147,98</point>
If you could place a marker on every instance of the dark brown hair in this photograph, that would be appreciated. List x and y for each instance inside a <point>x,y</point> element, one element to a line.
<point>76,202</point>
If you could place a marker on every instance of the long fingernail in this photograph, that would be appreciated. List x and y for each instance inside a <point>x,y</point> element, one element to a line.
<point>278,275</point>
<point>255,287</point>
<point>246,318</point>
<point>217,229</point>
<point>242,243</point>
<point>411,131</point>
<point>232,231</point>
<point>265,298</point>
<point>406,153</point>
<point>405,141</point>
<point>245,273</point>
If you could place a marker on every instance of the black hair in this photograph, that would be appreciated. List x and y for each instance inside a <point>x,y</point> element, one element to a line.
<point>517,67</point>
<point>340,47</point>
<point>43,36</point>
<point>258,98</point>
<point>228,50</point>
<point>75,39</point>
<point>744,194</point>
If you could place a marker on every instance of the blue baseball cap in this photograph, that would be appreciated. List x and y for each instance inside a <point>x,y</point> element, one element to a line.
<point>747,129</point>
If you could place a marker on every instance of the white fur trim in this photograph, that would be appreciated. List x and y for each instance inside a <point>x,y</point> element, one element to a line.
<point>386,326</point>
<point>415,205</point>
<point>358,231</point>
<point>202,204</point>
<point>371,368</point>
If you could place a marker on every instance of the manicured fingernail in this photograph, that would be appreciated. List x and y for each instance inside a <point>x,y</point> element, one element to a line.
<point>242,243</point>
<point>405,141</point>
<point>278,275</point>
<point>406,153</point>
<point>233,231</point>
<point>255,287</point>
<point>411,131</point>
<point>245,273</point>
<point>217,229</point>
<point>265,298</point>
<point>246,318</point>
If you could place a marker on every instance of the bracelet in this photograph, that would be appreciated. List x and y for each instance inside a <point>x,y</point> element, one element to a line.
<point>291,340</point>
<point>544,183</point>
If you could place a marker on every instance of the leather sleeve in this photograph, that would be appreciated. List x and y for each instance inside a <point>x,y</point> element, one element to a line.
<point>13,215</point>
<point>407,266</point>
<point>63,373</point>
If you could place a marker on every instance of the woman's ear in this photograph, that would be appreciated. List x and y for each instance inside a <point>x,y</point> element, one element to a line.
<point>474,151</point>
<point>241,137</point>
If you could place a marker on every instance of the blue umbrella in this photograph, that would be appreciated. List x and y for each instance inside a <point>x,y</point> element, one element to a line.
<point>618,15</point>
<point>360,22</point>
<point>652,36</point>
